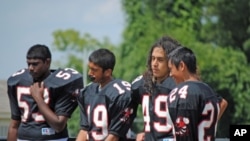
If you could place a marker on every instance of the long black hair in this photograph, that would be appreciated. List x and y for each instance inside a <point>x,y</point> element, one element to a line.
<point>168,44</point>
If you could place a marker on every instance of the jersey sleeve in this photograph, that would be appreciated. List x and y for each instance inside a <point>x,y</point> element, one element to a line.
<point>136,89</point>
<point>123,112</point>
<point>13,82</point>
<point>15,112</point>
<point>84,125</point>
<point>169,83</point>
<point>70,84</point>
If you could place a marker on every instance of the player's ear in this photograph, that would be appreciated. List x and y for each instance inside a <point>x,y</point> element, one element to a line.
<point>108,72</point>
<point>182,66</point>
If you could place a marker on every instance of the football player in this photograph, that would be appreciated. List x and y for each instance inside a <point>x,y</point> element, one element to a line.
<point>105,104</point>
<point>152,89</point>
<point>42,100</point>
<point>193,107</point>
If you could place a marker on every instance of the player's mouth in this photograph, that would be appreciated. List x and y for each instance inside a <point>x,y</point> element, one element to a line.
<point>34,75</point>
<point>91,78</point>
<point>155,71</point>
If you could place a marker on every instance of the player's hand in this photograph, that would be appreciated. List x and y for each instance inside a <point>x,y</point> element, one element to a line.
<point>140,136</point>
<point>37,90</point>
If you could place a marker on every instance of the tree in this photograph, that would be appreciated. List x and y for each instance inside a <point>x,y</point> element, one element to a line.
<point>230,22</point>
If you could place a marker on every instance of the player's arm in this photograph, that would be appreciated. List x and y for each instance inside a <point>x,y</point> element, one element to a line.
<point>12,131</point>
<point>140,136</point>
<point>112,137</point>
<point>122,119</point>
<point>223,106</point>
<point>84,125</point>
<point>82,135</point>
<point>58,123</point>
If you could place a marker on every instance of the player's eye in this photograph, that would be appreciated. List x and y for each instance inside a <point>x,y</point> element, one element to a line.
<point>33,63</point>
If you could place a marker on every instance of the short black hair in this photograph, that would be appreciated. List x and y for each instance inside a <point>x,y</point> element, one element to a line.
<point>185,55</point>
<point>38,51</point>
<point>103,58</point>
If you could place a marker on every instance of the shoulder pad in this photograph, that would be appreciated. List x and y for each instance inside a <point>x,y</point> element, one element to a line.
<point>16,77</point>
<point>169,83</point>
<point>64,76</point>
<point>137,82</point>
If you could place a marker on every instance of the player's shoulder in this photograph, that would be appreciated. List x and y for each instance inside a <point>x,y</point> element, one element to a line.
<point>117,87</point>
<point>89,88</point>
<point>63,76</point>
<point>196,84</point>
<point>195,87</point>
<point>137,82</point>
<point>120,81</point>
<point>92,86</point>
<point>20,75</point>
<point>168,83</point>
<point>67,73</point>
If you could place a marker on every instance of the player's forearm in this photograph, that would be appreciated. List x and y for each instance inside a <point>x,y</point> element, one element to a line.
<point>58,123</point>
<point>82,136</point>
<point>112,137</point>
<point>12,135</point>
<point>140,136</point>
<point>223,106</point>
<point>12,131</point>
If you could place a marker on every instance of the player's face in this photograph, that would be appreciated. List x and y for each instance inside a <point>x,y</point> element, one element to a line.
<point>37,68</point>
<point>175,73</point>
<point>95,72</point>
<point>159,63</point>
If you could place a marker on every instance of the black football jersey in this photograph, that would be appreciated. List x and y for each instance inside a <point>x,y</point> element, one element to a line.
<point>106,110</point>
<point>58,94</point>
<point>193,108</point>
<point>154,108</point>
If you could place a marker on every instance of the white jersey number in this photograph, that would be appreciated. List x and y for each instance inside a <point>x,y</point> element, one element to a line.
<point>158,111</point>
<point>23,104</point>
<point>100,114</point>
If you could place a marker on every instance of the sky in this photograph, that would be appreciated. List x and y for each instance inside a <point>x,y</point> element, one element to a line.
<point>24,23</point>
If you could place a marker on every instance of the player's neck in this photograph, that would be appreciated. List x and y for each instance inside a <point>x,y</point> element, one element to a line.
<point>42,77</point>
<point>191,77</point>
<point>105,81</point>
<point>159,80</point>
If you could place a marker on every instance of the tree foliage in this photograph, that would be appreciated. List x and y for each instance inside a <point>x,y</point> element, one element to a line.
<point>230,22</point>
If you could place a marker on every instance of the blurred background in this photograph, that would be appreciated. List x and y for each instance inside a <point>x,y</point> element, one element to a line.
<point>218,31</point>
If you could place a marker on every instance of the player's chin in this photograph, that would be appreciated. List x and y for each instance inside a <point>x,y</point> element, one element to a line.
<point>156,74</point>
<point>34,76</point>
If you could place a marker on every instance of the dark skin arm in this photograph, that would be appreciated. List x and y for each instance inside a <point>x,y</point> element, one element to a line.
<point>12,131</point>
<point>58,123</point>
